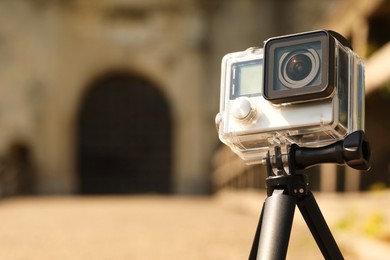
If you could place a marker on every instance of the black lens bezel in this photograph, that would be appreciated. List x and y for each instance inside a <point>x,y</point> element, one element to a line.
<point>323,89</point>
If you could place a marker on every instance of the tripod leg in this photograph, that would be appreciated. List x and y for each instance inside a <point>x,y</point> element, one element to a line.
<point>255,244</point>
<point>276,222</point>
<point>318,227</point>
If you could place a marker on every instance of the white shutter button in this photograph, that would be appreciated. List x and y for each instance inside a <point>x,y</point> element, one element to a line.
<point>241,108</point>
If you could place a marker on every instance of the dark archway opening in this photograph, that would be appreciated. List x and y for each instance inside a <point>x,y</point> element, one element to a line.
<point>124,138</point>
<point>17,171</point>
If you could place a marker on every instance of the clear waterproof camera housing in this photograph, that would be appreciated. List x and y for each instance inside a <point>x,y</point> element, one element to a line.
<point>305,88</point>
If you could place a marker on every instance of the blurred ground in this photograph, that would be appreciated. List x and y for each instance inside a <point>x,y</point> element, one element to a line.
<point>154,227</point>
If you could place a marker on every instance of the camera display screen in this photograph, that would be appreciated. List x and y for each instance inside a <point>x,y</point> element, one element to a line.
<point>247,79</point>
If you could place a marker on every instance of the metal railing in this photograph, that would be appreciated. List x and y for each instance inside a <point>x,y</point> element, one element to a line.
<point>230,172</point>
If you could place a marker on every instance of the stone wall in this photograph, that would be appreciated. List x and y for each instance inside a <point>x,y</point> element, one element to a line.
<point>51,52</point>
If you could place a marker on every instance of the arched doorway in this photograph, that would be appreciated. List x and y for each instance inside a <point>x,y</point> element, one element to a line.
<point>16,171</point>
<point>124,138</point>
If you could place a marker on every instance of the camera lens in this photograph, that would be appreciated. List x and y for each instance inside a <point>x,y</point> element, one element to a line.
<point>298,67</point>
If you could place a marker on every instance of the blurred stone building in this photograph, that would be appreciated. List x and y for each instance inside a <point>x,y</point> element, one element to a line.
<point>119,96</point>
<point>103,96</point>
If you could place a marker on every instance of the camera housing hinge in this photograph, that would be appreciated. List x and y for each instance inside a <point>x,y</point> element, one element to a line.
<point>277,161</point>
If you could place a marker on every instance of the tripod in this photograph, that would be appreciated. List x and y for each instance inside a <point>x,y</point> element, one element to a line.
<point>286,190</point>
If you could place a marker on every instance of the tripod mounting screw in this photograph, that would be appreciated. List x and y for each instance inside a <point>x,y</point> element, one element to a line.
<point>356,151</point>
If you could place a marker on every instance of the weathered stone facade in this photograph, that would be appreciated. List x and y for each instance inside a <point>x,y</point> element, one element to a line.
<point>50,53</point>
<point>53,52</point>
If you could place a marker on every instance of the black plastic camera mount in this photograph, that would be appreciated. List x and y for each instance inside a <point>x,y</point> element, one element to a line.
<point>353,151</point>
<point>287,190</point>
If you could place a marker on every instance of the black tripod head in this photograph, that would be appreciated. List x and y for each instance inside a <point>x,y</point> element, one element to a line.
<point>354,151</point>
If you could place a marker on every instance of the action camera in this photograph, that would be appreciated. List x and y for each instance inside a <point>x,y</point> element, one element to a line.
<point>305,89</point>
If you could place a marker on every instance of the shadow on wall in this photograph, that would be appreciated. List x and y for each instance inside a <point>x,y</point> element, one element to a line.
<point>377,129</point>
